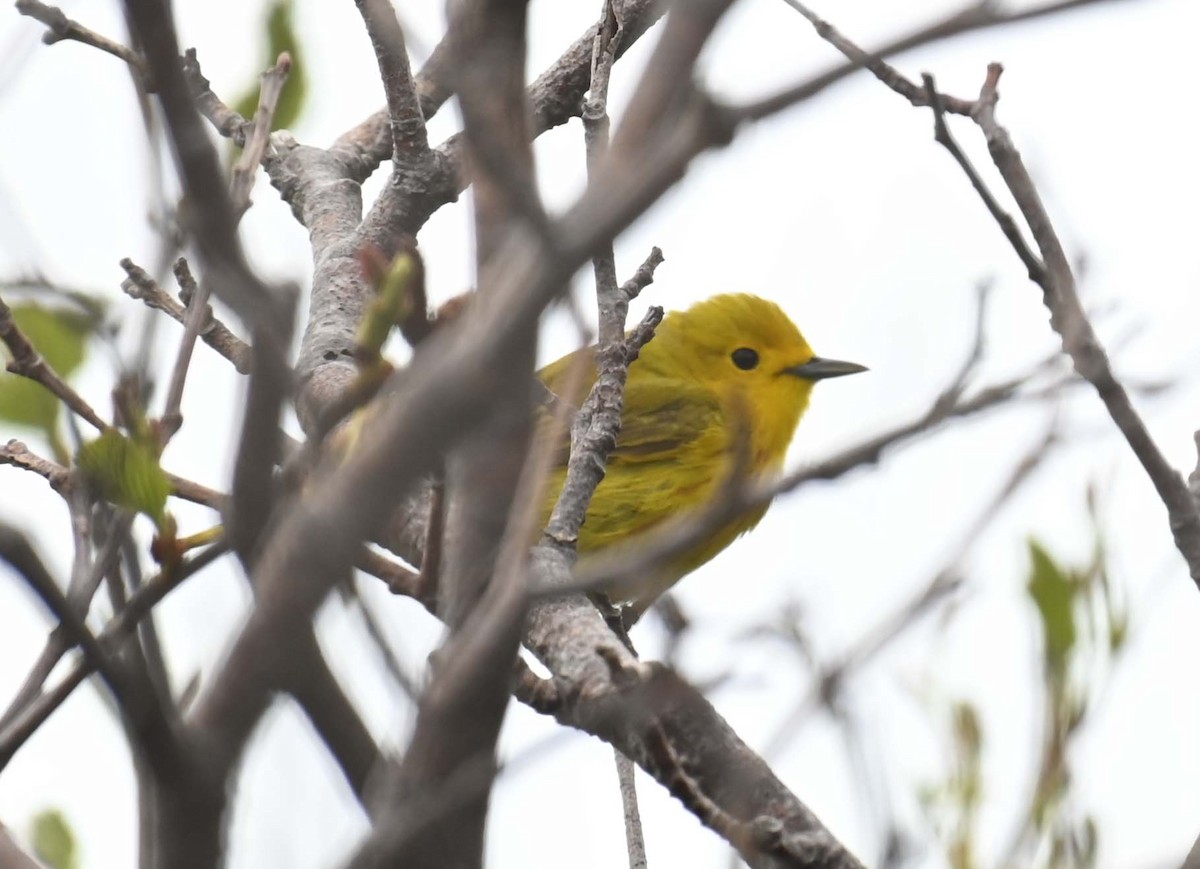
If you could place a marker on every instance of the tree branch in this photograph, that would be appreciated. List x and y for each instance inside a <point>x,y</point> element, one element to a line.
<point>59,27</point>
<point>27,362</point>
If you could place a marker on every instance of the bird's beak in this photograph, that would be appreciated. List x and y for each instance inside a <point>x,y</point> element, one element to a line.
<point>818,368</point>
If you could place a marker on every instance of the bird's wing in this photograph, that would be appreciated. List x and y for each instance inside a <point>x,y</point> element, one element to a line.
<point>663,417</point>
<point>665,420</point>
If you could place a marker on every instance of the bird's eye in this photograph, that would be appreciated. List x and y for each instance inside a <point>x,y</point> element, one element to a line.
<point>744,358</point>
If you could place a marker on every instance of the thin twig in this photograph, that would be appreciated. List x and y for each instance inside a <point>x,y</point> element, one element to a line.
<point>228,122</point>
<point>974,15</point>
<point>1079,339</point>
<point>882,70</point>
<point>28,362</point>
<point>945,583</point>
<point>635,839</point>
<point>140,285</point>
<point>271,84</point>
<point>595,428</point>
<point>18,455</point>
<point>398,578</point>
<point>59,27</point>
<point>197,315</point>
<point>15,732</point>
<point>1053,273</point>
<point>375,632</point>
<point>1008,226</point>
<point>86,576</point>
<point>211,221</point>
<point>17,551</point>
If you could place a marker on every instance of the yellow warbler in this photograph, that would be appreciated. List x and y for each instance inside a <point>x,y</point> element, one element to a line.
<point>730,373</point>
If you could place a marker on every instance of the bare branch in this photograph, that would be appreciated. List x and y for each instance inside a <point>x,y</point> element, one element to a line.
<point>271,84</point>
<point>1079,340</point>
<point>17,728</point>
<point>945,583</point>
<point>317,691</point>
<point>671,731</point>
<point>375,631</point>
<point>27,362</point>
<point>555,96</point>
<point>12,855</point>
<point>1005,220</point>
<point>18,455</point>
<point>17,551</point>
<point>635,840</point>
<point>139,285</point>
<point>211,213</point>
<point>594,429</point>
<point>975,15</point>
<point>410,144</point>
<point>59,27</point>
<point>224,119</point>
<point>197,314</point>
<point>482,475</point>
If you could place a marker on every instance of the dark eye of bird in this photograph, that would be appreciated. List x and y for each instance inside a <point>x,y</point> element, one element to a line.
<point>744,358</point>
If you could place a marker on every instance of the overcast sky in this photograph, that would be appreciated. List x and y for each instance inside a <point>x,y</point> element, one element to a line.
<point>847,213</point>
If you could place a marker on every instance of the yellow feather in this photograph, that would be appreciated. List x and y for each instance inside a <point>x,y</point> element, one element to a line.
<point>692,395</point>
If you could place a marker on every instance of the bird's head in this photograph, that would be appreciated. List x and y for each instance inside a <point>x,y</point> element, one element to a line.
<point>748,351</point>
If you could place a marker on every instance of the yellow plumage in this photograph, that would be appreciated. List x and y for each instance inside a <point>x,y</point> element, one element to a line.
<point>728,368</point>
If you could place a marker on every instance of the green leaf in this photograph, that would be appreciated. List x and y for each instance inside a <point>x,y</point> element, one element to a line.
<point>53,840</point>
<point>60,336</point>
<point>126,473</point>
<point>281,37</point>
<point>1053,592</point>
<point>25,402</point>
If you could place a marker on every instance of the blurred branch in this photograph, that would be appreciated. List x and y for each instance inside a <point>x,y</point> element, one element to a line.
<point>12,856</point>
<point>317,691</point>
<point>17,551</point>
<point>146,719</point>
<point>832,677</point>
<point>483,472</point>
<point>481,580</point>
<point>210,213</point>
<point>378,636</point>
<point>17,727</point>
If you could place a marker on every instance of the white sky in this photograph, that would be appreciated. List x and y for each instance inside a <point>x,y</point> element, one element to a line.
<point>848,214</point>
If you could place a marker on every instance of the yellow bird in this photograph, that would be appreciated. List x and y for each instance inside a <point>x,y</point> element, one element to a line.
<point>730,369</point>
